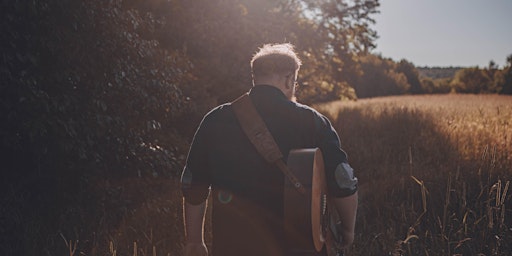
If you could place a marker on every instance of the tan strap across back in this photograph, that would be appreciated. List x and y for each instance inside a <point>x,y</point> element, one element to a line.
<point>257,132</point>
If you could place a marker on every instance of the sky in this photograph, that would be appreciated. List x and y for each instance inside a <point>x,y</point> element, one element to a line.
<point>443,33</point>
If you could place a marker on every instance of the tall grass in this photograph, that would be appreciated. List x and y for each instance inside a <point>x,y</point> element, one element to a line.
<point>149,222</point>
<point>434,177</point>
<point>434,173</point>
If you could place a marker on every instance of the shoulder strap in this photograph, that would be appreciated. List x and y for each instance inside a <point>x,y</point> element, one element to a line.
<point>254,127</point>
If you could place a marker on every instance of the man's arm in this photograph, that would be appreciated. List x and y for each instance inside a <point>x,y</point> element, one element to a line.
<point>347,210</point>
<point>194,229</point>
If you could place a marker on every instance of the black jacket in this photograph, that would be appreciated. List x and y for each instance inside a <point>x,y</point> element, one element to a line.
<point>247,192</point>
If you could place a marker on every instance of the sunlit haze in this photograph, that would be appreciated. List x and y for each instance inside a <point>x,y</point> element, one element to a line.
<point>445,32</point>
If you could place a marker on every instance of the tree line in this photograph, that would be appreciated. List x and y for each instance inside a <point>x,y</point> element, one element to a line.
<point>94,90</point>
<point>384,76</point>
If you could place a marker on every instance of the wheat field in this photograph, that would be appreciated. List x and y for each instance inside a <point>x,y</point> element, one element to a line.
<point>434,173</point>
<point>434,176</point>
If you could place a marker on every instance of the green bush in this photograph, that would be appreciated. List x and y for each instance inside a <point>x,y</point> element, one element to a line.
<point>87,95</point>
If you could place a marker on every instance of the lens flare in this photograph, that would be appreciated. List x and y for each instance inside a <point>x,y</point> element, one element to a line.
<point>225,197</point>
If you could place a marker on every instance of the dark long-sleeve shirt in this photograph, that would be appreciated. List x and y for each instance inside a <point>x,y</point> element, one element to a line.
<point>247,191</point>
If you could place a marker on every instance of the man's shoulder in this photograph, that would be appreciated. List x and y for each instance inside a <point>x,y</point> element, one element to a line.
<point>307,110</point>
<point>219,113</point>
<point>303,107</point>
<point>219,110</point>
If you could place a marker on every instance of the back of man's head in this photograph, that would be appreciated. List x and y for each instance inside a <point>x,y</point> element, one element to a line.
<point>275,59</point>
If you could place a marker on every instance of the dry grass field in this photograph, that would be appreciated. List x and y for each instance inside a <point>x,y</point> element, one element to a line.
<point>434,173</point>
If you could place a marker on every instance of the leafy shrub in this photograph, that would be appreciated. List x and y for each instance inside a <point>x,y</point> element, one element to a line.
<point>87,95</point>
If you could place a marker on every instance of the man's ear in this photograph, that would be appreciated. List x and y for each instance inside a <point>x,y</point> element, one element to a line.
<point>286,84</point>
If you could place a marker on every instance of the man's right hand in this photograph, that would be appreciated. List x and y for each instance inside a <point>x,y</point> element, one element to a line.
<point>347,239</point>
<point>195,249</point>
<point>194,223</point>
<point>347,210</point>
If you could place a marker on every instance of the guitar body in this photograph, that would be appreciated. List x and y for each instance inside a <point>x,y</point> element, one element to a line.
<point>309,221</point>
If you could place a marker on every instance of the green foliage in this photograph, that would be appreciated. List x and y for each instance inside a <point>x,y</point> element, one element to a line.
<point>380,78</point>
<point>486,80</point>
<point>341,31</point>
<point>467,80</point>
<point>87,94</point>
<point>323,91</point>
<point>435,86</point>
<point>412,76</point>
<point>220,37</point>
<point>472,80</point>
<point>503,78</point>
<point>437,72</point>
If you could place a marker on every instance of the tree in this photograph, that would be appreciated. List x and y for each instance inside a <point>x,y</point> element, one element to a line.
<point>433,86</point>
<point>506,77</point>
<point>87,95</point>
<point>343,33</point>
<point>220,37</point>
<point>380,78</point>
<point>412,75</point>
<point>472,80</point>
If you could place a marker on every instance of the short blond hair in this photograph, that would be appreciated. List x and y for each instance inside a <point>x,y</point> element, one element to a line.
<point>275,59</point>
